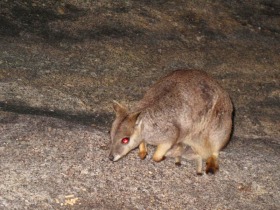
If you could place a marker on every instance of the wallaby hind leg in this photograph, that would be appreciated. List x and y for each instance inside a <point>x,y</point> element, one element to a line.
<point>176,152</point>
<point>191,154</point>
<point>143,150</point>
<point>161,151</point>
<point>212,164</point>
<point>199,165</point>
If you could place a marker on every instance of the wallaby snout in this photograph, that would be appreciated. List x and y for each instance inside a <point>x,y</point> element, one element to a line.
<point>111,157</point>
<point>114,158</point>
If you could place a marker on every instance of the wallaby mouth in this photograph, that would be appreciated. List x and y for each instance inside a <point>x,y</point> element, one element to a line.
<point>111,157</point>
<point>114,158</point>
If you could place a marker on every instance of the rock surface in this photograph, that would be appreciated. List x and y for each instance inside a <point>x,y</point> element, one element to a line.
<point>63,62</point>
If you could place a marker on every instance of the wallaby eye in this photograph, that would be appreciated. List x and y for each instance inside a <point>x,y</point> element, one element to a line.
<point>125,140</point>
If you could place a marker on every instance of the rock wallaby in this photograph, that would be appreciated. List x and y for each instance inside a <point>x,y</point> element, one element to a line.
<point>185,109</point>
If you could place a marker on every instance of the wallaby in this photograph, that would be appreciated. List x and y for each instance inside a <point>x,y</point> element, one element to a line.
<point>186,108</point>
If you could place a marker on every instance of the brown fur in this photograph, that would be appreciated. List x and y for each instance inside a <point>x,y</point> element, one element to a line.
<point>187,108</point>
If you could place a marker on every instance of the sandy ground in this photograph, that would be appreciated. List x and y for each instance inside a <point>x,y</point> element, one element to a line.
<point>48,163</point>
<point>61,65</point>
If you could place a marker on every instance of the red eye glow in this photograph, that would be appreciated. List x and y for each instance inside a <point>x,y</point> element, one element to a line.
<point>125,140</point>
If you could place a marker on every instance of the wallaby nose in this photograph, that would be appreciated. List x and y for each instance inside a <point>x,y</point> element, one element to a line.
<point>111,157</point>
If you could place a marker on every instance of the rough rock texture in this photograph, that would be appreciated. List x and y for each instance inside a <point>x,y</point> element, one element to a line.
<point>63,62</point>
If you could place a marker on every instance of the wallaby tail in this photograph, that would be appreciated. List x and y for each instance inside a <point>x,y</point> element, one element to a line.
<point>212,165</point>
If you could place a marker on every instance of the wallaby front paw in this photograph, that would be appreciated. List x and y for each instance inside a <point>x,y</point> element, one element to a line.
<point>158,159</point>
<point>142,155</point>
<point>178,164</point>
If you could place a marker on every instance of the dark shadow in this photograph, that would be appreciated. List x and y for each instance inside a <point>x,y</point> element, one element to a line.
<point>26,18</point>
<point>201,25</point>
<point>255,14</point>
<point>112,30</point>
<point>17,17</point>
<point>8,28</point>
<point>100,120</point>
<point>20,17</point>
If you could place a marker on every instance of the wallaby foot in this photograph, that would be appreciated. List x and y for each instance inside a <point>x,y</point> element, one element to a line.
<point>176,152</point>
<point>143,150</point>
<point>161,151</point>
<point>212,164</point>
<point>199,165</point>
<point>178,161</point>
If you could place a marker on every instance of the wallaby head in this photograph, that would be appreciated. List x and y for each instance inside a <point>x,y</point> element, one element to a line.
<point>125,132</point>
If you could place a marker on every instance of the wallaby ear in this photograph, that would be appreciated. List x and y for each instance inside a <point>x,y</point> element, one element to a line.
<point>119,109</point>
<point>139,122</point>
<point>134,116</point>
